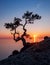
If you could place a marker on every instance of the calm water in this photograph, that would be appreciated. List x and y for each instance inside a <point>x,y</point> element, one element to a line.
<point>7,46</point>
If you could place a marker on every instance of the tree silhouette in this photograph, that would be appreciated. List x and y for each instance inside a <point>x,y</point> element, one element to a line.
<point>29,18</point>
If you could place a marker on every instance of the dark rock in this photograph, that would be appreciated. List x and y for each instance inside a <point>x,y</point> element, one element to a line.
<point>30,55</point>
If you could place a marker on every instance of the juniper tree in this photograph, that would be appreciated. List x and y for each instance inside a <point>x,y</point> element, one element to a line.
<point>29,18</point>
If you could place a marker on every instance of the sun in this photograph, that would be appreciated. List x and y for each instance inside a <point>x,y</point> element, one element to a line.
<point>34,36</point>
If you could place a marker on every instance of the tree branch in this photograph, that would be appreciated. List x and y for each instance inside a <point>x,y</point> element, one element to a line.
<point>24,34</point>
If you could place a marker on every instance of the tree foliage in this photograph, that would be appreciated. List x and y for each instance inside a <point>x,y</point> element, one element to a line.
<point>29,18</point>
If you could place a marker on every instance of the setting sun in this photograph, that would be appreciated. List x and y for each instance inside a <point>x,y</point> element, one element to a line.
<point>34,36</point>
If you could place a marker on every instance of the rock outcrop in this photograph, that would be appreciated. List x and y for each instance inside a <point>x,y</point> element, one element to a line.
<point>37,54</point>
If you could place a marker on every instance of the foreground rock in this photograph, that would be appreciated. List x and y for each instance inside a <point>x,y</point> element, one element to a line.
<point>37,54</point>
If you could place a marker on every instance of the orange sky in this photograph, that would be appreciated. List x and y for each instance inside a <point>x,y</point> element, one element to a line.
<point>5,34</point>
<point>40,28</point>
<point>35,37</point>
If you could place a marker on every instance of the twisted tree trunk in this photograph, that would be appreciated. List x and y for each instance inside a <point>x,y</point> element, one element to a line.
<point>22,37</point>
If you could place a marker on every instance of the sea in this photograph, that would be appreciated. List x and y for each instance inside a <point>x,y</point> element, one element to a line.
<point>7,46</point>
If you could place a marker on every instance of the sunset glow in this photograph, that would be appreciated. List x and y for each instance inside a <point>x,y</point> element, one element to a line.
<point>10,9</point>
<point>34,36</point>
<point>23,25</point>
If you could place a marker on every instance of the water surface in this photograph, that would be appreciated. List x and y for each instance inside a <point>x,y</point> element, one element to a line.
<point>7,46</point>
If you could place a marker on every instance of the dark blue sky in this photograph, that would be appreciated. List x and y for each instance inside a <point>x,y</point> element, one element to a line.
<point>11,8</point>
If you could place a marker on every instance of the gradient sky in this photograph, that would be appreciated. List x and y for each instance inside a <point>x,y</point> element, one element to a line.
<point>15,8</point>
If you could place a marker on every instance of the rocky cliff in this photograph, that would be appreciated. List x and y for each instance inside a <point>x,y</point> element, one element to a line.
<point>36,54</point>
